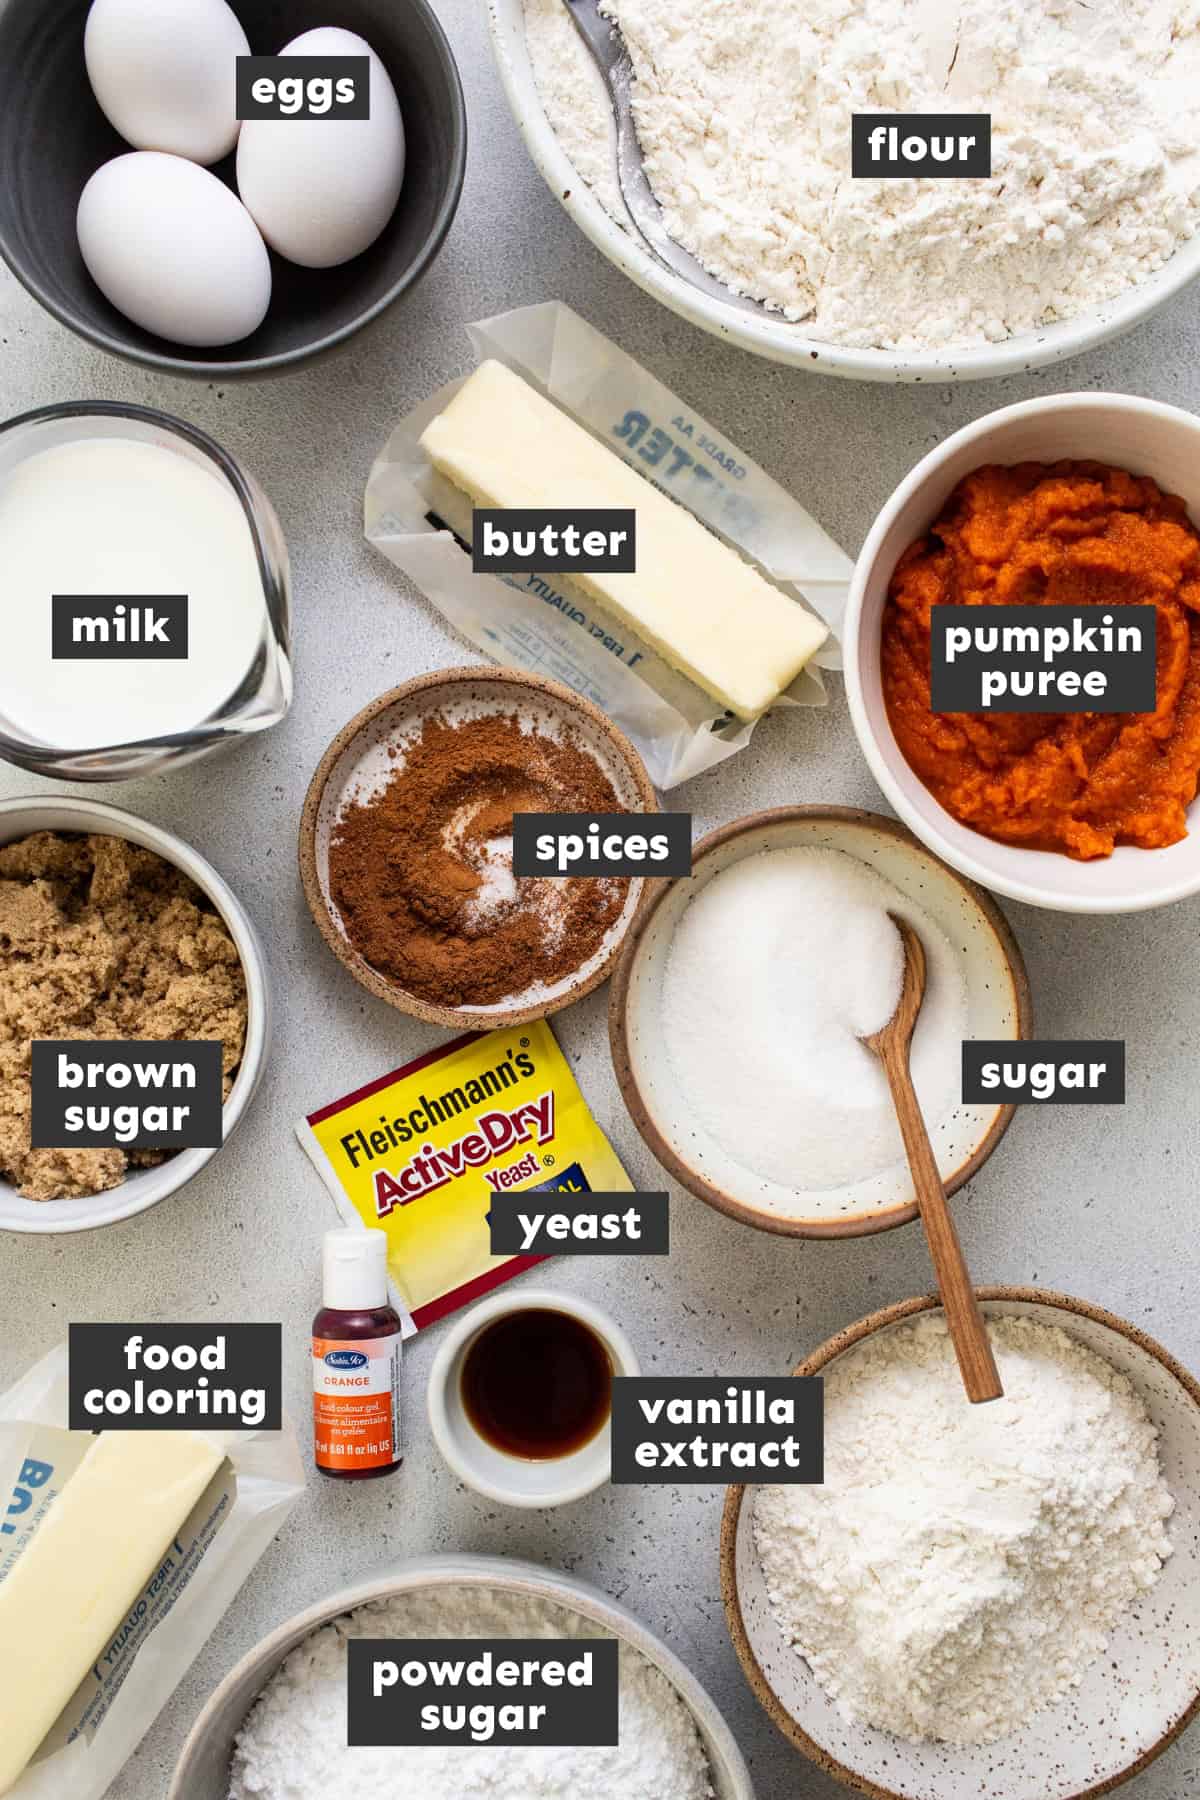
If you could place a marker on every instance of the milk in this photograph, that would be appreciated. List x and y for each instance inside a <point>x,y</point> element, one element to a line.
<point>108,515</point>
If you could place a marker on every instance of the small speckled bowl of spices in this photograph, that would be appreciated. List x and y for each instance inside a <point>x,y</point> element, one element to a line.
<point>406,846</point>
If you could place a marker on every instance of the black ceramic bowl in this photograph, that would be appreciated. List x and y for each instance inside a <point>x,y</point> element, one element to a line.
<point>53,136</point>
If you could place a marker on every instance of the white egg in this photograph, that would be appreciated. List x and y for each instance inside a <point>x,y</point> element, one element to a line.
<point>174,249</point>
<point>321,190</point>
<point>164,72</point>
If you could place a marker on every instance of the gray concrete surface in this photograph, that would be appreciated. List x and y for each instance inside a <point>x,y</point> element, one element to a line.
<point>1099,1204</point>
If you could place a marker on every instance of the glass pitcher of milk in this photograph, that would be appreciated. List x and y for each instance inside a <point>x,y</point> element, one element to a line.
<point>145,607</point>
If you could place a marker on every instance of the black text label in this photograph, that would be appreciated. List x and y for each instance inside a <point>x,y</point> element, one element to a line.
<point>541,1222</point>
<point>97,1094</point>
<point>303,87</point>
<point>901,145</point>
<point>554,540</point>
<point>503,1691</point>
<point>602,844</point>
<point>700,1430</point>
<point>171,1377</point>
<point>1055,1073</point>
<point>118,627</point>
<point>1047,659</point>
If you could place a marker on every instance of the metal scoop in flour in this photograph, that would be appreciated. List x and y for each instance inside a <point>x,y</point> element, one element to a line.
<point>608,48</point>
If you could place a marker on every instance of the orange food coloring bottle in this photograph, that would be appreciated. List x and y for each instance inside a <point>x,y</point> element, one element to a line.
<point>356,1340</point>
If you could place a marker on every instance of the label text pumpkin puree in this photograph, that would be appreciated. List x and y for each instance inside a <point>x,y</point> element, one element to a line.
<point>1067,534</point>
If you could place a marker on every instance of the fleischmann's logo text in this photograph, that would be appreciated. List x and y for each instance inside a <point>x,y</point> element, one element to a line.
<point>490,1133</point>
<point>366,1146</point>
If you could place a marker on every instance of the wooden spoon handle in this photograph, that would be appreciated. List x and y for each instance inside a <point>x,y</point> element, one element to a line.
<point>968,1331</point>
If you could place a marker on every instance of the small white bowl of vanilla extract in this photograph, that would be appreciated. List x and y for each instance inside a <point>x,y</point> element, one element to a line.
<point>520,1397</point>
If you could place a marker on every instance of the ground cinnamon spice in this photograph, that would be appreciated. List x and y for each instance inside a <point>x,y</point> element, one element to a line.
<point>421,871</point>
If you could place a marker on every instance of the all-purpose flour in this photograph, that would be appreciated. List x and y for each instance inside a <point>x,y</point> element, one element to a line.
<point>743,110</point>
<point>964,1565</point>
<point>293,1743</point>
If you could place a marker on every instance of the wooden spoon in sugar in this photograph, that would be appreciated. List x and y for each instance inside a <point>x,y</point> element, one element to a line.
<point>968,1331</point>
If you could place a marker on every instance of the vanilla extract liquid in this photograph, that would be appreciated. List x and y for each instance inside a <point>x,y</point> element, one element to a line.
<point>537,1384</point>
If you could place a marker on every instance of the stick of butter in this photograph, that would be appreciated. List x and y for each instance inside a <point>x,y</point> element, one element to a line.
<point>708,613</point>
<point>89,1560</point>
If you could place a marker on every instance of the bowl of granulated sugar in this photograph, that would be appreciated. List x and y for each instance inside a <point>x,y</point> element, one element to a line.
<point>1000,1601</point>
<point>741,997</point>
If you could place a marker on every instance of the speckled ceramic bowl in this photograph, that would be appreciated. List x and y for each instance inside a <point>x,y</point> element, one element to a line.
<point>1131,1704</point>
<point>203,1769</point>
<point>358,762</point>
<point>997,1007</point>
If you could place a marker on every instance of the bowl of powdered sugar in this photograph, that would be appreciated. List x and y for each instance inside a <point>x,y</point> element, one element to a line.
<point>742,996</point>
<point>1086,223</point>
<point>275,1729</point>
<point>1000,1601</point>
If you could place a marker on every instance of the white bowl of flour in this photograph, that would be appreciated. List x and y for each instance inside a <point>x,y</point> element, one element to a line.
<point>1008,1604</point>
<point>1087,225</point>
<point>275,1728</point>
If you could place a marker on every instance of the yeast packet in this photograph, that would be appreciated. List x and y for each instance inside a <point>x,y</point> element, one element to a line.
<point>420,1152</point>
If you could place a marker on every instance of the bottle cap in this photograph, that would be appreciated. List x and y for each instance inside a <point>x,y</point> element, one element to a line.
<point>355,1270</point>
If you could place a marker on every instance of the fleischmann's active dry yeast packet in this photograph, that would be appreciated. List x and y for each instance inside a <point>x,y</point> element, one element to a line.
<point>420,1152</point>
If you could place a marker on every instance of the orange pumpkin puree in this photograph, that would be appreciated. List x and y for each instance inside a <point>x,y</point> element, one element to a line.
<point>1066,534</point>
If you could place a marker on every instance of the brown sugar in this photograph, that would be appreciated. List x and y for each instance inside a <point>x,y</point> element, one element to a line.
<point>421,871</point>
<point>102,939</point>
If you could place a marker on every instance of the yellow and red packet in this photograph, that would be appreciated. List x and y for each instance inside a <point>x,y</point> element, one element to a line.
<point>419,1153</point>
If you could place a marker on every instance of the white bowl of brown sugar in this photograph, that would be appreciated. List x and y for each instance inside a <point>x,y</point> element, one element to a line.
<point>113,928</point>
<point>406,846</point>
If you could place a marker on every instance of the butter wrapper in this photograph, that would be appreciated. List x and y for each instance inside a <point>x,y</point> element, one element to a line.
<point>200,1571</point>
<point>420,1152</point>
<point>545,623</point>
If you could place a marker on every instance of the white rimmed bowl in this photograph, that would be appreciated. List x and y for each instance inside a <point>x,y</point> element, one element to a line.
<point>516,1480</point>
<point>769,334</point>
<point>1131,1704</point>
<point>1142,436</point>
<point>998,1007</point>
<point>203,1769</point>
<point>143,1188</point>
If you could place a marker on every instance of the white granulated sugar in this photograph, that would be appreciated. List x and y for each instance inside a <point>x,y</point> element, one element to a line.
<point>497,892</point>
<point>743,111</point>
<point>293,1743</point>
<point>963,1566</point>
<point>497,884</point>
<point>777,968</point>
